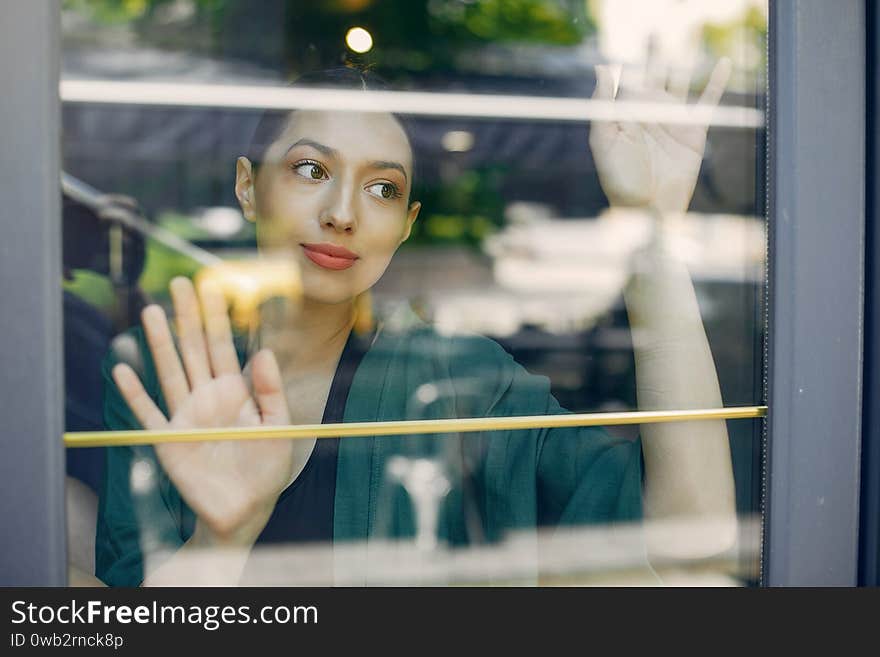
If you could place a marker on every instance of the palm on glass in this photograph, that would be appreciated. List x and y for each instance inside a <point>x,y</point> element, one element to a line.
<point>232,486</point>
<point>652,165</point>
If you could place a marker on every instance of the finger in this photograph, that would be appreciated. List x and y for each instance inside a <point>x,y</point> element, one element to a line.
<point>140,403</point>
<point>632,82</point>
<point>602,132</point>
<point>269,388</point>
<point>679,83</point>
<point>655,73</point>
<point>190,336</point>
<point>218,331</point>
<point>717,82</point>
<point>171,376</point>
<point>604,83</point>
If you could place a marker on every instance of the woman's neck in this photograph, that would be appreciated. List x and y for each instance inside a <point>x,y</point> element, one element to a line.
<point>308,337</point>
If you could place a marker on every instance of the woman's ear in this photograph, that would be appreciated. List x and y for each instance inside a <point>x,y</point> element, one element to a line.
<point>411,216</point>
<point>244,188</point>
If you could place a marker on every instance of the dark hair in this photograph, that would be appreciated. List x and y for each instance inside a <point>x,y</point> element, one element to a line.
<point>273,122</point>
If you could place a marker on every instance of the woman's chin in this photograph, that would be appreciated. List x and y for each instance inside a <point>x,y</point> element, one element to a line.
<point>327,297</point>
<point>335,288</point>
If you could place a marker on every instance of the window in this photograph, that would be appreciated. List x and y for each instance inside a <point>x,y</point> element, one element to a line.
<point>581,243</point>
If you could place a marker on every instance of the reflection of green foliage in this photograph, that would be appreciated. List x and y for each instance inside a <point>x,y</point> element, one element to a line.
<point>302,35</point>
<point>418,35</point>
<point>128,11</point>
<point>149,19</point>
<point>558,22</point>
<point>92,288</point>
<point>162,265</point>
<point>457,228</point>
<point>445,227</point>
<point>728,39</point>
<point>109,11</point>
<point>481,227</point>
<point>183,226</point>
<point>465,210</point>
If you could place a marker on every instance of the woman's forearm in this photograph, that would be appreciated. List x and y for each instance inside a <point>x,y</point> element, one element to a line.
<point>688,470</point>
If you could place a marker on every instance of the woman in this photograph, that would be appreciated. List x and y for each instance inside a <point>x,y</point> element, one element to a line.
<point>331,191</point>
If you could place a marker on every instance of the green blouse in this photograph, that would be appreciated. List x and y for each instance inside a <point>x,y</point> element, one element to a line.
<point>509,480</point>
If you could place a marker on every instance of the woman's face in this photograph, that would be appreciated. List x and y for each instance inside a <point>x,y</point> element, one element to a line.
<point>332,193</point>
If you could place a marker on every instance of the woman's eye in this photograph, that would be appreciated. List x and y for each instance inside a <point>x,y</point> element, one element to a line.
<point>384,190</point>
<point>311,170</point>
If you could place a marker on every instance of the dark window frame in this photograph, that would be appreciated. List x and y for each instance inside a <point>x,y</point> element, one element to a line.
<point>869,534</point>
<point>816,142</point>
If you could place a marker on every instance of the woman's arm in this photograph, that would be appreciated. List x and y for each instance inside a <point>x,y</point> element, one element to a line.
<point>231,486</point>
<point>689,498</point>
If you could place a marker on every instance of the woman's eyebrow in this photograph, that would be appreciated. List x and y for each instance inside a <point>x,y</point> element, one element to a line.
<point>385,164</point>
<point>326,150</point>
<point>331,152</point>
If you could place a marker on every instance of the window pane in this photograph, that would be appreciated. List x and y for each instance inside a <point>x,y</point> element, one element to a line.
<point>423,211</point>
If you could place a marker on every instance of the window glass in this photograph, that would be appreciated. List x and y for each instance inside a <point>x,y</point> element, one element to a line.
<point>414,211</point>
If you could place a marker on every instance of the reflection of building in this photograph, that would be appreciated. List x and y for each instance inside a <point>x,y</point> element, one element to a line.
<point>563,275</point>
<point>182,158</point>
<point>551,291</point>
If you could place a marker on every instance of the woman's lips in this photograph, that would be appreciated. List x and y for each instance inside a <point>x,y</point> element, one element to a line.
<point>330,256</point>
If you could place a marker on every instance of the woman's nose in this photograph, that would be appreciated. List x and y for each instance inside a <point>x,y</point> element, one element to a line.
<point>340,213</point>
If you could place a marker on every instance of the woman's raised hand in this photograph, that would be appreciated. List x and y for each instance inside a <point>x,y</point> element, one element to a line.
<point>232,486</point>
<point>652,165</point>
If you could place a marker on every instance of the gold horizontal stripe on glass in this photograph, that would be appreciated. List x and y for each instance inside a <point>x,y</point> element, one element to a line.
<point>414,427</point>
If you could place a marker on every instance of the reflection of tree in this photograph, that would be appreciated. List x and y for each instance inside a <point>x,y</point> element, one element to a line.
<point>559,22</point>
<point>129,11</point>
<point>743,40</point>
<point>293,36</point>
<point>464,208</point>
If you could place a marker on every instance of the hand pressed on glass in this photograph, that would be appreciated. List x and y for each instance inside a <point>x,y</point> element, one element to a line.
<point>232,486</point>
<point>652,165</point>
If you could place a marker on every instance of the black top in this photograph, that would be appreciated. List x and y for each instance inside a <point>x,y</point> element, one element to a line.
<point>304,511</point>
